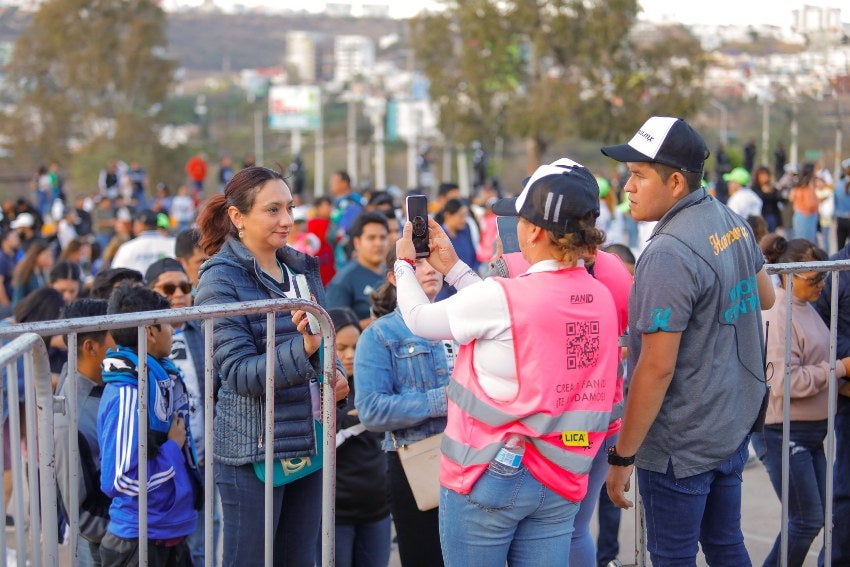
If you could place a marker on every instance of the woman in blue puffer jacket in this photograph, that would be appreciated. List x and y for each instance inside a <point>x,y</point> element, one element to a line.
<point>244,230</point>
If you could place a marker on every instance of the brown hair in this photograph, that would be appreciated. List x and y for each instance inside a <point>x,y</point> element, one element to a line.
<point>778,250</point>
<point>240,192</point>
<point>693,179</point>
<point>27,266</point>
<point>582,243</point>
<point>72,248</point>
<point>384,298</point>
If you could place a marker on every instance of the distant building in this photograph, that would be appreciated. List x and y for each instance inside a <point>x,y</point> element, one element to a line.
<point>375,10</point>
<point>301,55</point>
<point>338,9</point>
<point>817,19</point>
<point>353,55</point>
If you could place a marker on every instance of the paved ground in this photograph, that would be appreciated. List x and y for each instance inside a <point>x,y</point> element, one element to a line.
<point>760,520</point>
<point>760,517</point>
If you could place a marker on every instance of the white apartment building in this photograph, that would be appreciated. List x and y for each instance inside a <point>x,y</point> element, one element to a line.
<point>353,55</point>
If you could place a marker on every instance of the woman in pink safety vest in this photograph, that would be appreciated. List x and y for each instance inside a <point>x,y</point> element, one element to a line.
<point>534,383</point>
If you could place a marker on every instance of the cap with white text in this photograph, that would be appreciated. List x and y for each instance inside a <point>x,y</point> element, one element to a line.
<point>666,140</point>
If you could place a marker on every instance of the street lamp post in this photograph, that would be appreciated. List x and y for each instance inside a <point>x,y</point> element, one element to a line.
<point>724,130</point>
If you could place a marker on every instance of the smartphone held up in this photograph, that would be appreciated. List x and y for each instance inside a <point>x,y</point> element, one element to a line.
<point>417,215</point>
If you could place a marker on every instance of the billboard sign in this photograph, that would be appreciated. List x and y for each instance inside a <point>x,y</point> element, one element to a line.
<point>294,107</point>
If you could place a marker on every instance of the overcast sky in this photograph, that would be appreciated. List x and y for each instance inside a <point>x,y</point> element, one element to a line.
<point>775,12</point>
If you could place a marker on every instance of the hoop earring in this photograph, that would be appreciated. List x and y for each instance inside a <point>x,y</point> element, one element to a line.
<point>241,233</point>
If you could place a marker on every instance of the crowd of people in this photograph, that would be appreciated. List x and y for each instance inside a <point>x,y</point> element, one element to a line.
<point>630,320</point>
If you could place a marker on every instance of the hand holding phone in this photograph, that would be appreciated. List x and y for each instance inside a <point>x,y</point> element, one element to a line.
<point>507,233</point>
<point>303,291</point>
<point>417,215</point>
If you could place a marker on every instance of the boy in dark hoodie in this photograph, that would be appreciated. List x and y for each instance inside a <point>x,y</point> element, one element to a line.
<point>174,487</point>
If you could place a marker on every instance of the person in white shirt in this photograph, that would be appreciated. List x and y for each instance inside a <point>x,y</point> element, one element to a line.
<point>147,247</point>
<point>742,200</point>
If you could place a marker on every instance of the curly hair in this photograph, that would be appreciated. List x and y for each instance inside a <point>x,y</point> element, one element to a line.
<point>571,246</point>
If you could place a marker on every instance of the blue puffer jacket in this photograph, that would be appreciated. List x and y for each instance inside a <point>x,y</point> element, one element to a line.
<point>233,276</point>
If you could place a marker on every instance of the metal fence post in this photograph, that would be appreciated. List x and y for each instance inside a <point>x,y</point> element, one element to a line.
<point>329,442</point>
<point>142,397</point>
<point>17,461</point>
<point>72,411</point>
<point>46,469</point>
<point>269,440</point>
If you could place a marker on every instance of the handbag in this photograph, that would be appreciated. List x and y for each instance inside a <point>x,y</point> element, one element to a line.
<point>287,470</point>
<point>421,464</point>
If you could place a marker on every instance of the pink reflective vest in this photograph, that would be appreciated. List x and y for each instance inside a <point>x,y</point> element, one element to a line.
<point>564,329</point>
<point>610,270</point>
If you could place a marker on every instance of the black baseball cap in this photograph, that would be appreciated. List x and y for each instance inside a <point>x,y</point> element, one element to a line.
<point>147,217</point>
<point>666,140</point>
<point>160,267</point>
<point>556,197</point>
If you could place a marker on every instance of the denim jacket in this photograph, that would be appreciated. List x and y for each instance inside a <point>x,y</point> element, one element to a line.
<point>400,382</point>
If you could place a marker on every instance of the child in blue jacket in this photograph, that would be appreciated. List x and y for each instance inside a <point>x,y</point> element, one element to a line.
<point>174,487</point>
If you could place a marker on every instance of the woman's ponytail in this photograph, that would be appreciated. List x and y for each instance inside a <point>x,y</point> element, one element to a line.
<point>214,224</point>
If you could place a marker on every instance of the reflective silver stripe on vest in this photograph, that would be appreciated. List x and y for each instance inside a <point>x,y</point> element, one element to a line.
<point>541,423</point>
<point>574,462</point>
<point>466,456</point>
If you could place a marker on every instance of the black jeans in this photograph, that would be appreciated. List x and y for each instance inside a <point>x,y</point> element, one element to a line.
<point>418,532</point>
<point>120,552</point>
<point>842,232</point>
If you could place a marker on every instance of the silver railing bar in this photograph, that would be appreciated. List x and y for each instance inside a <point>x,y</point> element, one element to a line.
<point>125,320</point>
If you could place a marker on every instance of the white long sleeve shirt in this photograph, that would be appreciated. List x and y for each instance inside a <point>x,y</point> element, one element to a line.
<point>478,311</point>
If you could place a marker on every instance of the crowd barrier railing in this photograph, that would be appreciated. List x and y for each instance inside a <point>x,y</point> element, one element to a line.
<point>30,350</point>
<point>37,378</point>
<point>833,268</point>
<point>27,343</point>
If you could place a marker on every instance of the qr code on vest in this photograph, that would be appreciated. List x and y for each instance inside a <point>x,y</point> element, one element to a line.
<point>582,344</point>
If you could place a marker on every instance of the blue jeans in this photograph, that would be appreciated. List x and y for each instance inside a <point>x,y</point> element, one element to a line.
<point>773,220</point>
<point>582,548</point>
<point>195,541</point>
<point>363,545</point>
<point>703,508</point>
<point>607,542</point>
<point>806,485</point>
<point>511,518</point>
<point>296,514</point>
<point>806,226</point>
<point>841,485</point>
<point>88,553</point>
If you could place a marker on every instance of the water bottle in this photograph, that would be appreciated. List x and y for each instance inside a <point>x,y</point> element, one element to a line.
<point>509,457</point>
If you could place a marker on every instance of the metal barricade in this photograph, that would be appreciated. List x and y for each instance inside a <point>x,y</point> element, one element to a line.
<point>38,398</point>
<point>833,267</point>
<point>43,521</point>
<point>206,313</point>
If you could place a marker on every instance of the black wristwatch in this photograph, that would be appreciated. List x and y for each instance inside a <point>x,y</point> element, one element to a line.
<point>619,460</point>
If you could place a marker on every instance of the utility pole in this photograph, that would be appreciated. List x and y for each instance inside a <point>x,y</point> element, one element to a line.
<point>351,154</point>
<point>724,124</point>
<point>319,176</point>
